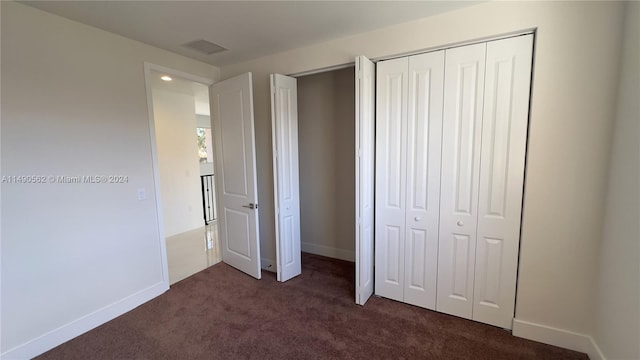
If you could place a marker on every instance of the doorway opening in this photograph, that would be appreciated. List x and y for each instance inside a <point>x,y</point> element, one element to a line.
<point>326,143</point>
<point>185,169</point>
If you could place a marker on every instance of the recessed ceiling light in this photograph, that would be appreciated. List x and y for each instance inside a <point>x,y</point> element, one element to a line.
<point>166,78</point>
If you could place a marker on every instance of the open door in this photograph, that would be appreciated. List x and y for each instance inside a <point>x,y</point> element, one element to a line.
<point>284,127</point>
<point>233,129</point>
<point>365,160</point>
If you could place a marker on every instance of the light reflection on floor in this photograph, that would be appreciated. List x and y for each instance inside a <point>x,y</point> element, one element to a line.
<point>192,252</point>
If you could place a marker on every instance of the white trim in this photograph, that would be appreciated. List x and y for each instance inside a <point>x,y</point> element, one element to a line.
<point>181,74</point>
<point>456,44</point>
<point>1,185</point>
<point>156,171</point>
<point>323,70</point>
<point>558,337</point>
<point>268,265</point>
<point>419,51</point>
<point>328,251</point>
<point>148,67</point>
<point>77,327</point>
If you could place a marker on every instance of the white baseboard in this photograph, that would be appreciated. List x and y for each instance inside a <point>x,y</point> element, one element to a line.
<point>53,338</point>
<point>268,264</point>
<point>558,337</point>
<point>329,251</point>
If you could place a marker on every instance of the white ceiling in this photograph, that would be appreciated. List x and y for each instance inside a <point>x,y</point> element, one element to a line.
<point>249,29</point>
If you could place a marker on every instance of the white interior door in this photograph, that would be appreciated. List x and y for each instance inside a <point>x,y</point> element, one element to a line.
<point>461,135</point>
<point>390,207</point>
<point>232,119</point>
<point>284,127</point>
<point>424,132</point>
<point>365,160</point>
<point>504,134</point>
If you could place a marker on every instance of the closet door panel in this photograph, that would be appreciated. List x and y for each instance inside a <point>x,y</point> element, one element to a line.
<point>390,187</point>
<point>461,140</point>
<point>286,181</point>
<point>504,134</point>
<point>365,165</point>
<point>424,133</point>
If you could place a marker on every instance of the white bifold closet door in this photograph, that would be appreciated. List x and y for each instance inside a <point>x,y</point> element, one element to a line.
<point>284,117</point>
<point>502,161</point>
<point>408,143</point>
<point>391,149</point>
<point>483,157</point>
<point>365,163</point>
<point>461,139</point>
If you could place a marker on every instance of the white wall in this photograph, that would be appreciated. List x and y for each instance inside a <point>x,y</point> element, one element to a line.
<point>618,315</point>
<point>326,138</point>
<point>175,121</point>
<point>574,90</point>
<point>74,103</point>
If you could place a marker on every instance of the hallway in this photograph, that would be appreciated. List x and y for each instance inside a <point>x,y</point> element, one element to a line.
<point>193,251</point>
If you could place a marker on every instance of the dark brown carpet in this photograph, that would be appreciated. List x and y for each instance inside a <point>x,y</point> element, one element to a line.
<point>221,313</point>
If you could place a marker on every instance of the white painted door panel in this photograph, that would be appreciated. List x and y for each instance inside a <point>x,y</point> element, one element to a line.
<point>284,120</point>
<point>461,140</point>
<point>424,132</point>
<point>365,142</point>
<point>232,119</point>
<point>391,105</point>
<point>504,134</point>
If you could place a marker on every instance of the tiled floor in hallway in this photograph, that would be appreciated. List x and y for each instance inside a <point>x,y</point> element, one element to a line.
<point>193,251</point>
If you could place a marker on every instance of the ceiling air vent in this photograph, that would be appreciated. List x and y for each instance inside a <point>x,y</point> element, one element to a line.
<point>204,46</point>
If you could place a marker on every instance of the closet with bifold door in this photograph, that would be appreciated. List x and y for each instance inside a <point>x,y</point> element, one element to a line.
<point>451,134</point>
<point>408,133</point>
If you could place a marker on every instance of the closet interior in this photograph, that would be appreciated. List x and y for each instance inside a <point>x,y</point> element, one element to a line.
<point>326,165</point>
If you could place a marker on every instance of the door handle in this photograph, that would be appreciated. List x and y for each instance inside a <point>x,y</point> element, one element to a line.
<point>250,206</point>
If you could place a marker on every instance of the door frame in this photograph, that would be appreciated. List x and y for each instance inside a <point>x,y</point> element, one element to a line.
<point>357,245</point>
<point>484,39</point>
<point>148,68</point>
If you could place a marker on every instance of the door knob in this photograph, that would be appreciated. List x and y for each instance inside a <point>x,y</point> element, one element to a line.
<point>417,218</point>
<point>460,223</point>
<point>250,206</point>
